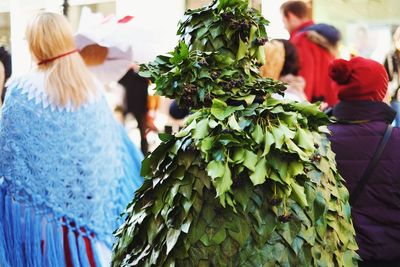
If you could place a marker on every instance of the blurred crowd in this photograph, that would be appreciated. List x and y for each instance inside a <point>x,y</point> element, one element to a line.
<point>361,95</point>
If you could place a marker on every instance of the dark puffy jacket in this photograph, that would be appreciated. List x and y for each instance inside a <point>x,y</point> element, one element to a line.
<point>376,214</point>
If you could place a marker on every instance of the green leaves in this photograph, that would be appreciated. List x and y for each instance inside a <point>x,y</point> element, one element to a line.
<point>241,53</point>
<point>258,177</point>
<point>201,129</point>
<point>299,195</point>
<point>215,169</point>
<point>233,123</point>
<point>258,134</point>
<point>222,176</point>
<point>172,238</point>
<point>305,139</point>
<point>221,110</point>
<point>224,183</point>
<point>268,142</point>
<point>243,183</point>
<point>250,160</point>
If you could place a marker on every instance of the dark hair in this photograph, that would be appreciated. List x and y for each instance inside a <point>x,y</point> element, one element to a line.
<point>5,59</point>
<point>297,8</point>
<point>291,65</point>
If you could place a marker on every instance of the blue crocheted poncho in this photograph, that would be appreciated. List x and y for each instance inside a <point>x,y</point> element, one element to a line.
<point>65,174</point>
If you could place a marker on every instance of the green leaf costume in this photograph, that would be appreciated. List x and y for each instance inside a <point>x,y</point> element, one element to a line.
<point>250,180</point>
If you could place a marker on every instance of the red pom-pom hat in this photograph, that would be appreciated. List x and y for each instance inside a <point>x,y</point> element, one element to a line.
<point>359,79</point>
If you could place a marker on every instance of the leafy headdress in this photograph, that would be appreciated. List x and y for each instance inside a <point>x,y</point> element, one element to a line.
<point>250,180</point>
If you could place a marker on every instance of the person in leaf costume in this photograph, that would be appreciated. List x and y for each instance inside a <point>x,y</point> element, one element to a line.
<point>250,180</point>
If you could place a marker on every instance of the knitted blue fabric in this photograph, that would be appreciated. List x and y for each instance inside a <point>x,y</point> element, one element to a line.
<point>60,168</point>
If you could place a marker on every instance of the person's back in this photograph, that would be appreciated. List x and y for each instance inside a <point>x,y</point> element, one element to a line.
<point>136,102</point>
<point>362,121</point>
<point>5,71</point>
<point>316,45</point>
<point>67,168</point>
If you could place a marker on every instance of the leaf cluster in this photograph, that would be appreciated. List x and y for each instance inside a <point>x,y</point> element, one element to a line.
<point>253,186</point>
<point>250,180</point>
<point>219,55</point>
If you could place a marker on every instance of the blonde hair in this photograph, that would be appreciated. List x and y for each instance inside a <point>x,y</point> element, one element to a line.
<point>275,60</point>
<point>68,80</point>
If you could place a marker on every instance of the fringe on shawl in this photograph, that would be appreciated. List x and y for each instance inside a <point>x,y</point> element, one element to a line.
<point>30,239</point>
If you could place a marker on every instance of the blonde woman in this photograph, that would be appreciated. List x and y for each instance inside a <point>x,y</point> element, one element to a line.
<point>67,169</point>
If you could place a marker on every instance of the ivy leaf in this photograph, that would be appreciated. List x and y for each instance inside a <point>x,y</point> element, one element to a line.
<point>215,31</point>
<point>201,129</point>
<point>268,142</point>
<point>221,110</point>
<point>279,137</point>
<point>250,160</point>
<point>146,167</point>
<point>253,30</point>
<point>243,232</point>
<point>249,99</point>
<point>319,206</point>
<point>289,134</point>
<point>295,168</point>
<point>241,53</point>
<point>172,238</point>
<point>212,124</point>
<point>220,236</point>
<point>299,195</point>
<point>233,123</point>
<point>206,144</point>
<point>305,139</point>
<point>292,147</point>
<point>145,73</point>
<point>260,55</point>
<point>257,134</point>
<point>164,137</point>
<point>215,169</point>
<point>223,184</point>
<point>239,155</point>
<point>185,131</point>
<point>258,177</point>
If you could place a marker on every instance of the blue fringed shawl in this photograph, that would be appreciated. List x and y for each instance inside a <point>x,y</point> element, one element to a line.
<point>60,168</point>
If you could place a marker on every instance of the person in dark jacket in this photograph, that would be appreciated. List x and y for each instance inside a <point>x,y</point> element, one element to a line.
<point>6,70</point>
<point>362,121</point>
<point>316,45</point>
<point>136,102</point>
<point>392,66</point>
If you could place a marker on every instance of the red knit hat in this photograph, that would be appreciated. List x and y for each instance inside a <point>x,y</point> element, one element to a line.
<point>359,79</point>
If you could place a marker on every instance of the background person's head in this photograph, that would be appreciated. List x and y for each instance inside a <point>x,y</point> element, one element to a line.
<point>51,43</point>
<point>291,65</point>
<point>281,59</point>
<point>359,79</point>
<point>294,13</point>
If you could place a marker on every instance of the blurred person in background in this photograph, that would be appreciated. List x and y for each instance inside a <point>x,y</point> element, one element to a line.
<point>67,168</point>
<point>282,63</point>
<point>392,66</point>
<point>136,102</point>
<point>317,46</point>
<point>5,71</point>
<point>106,48</point>
<point>368,158</point>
